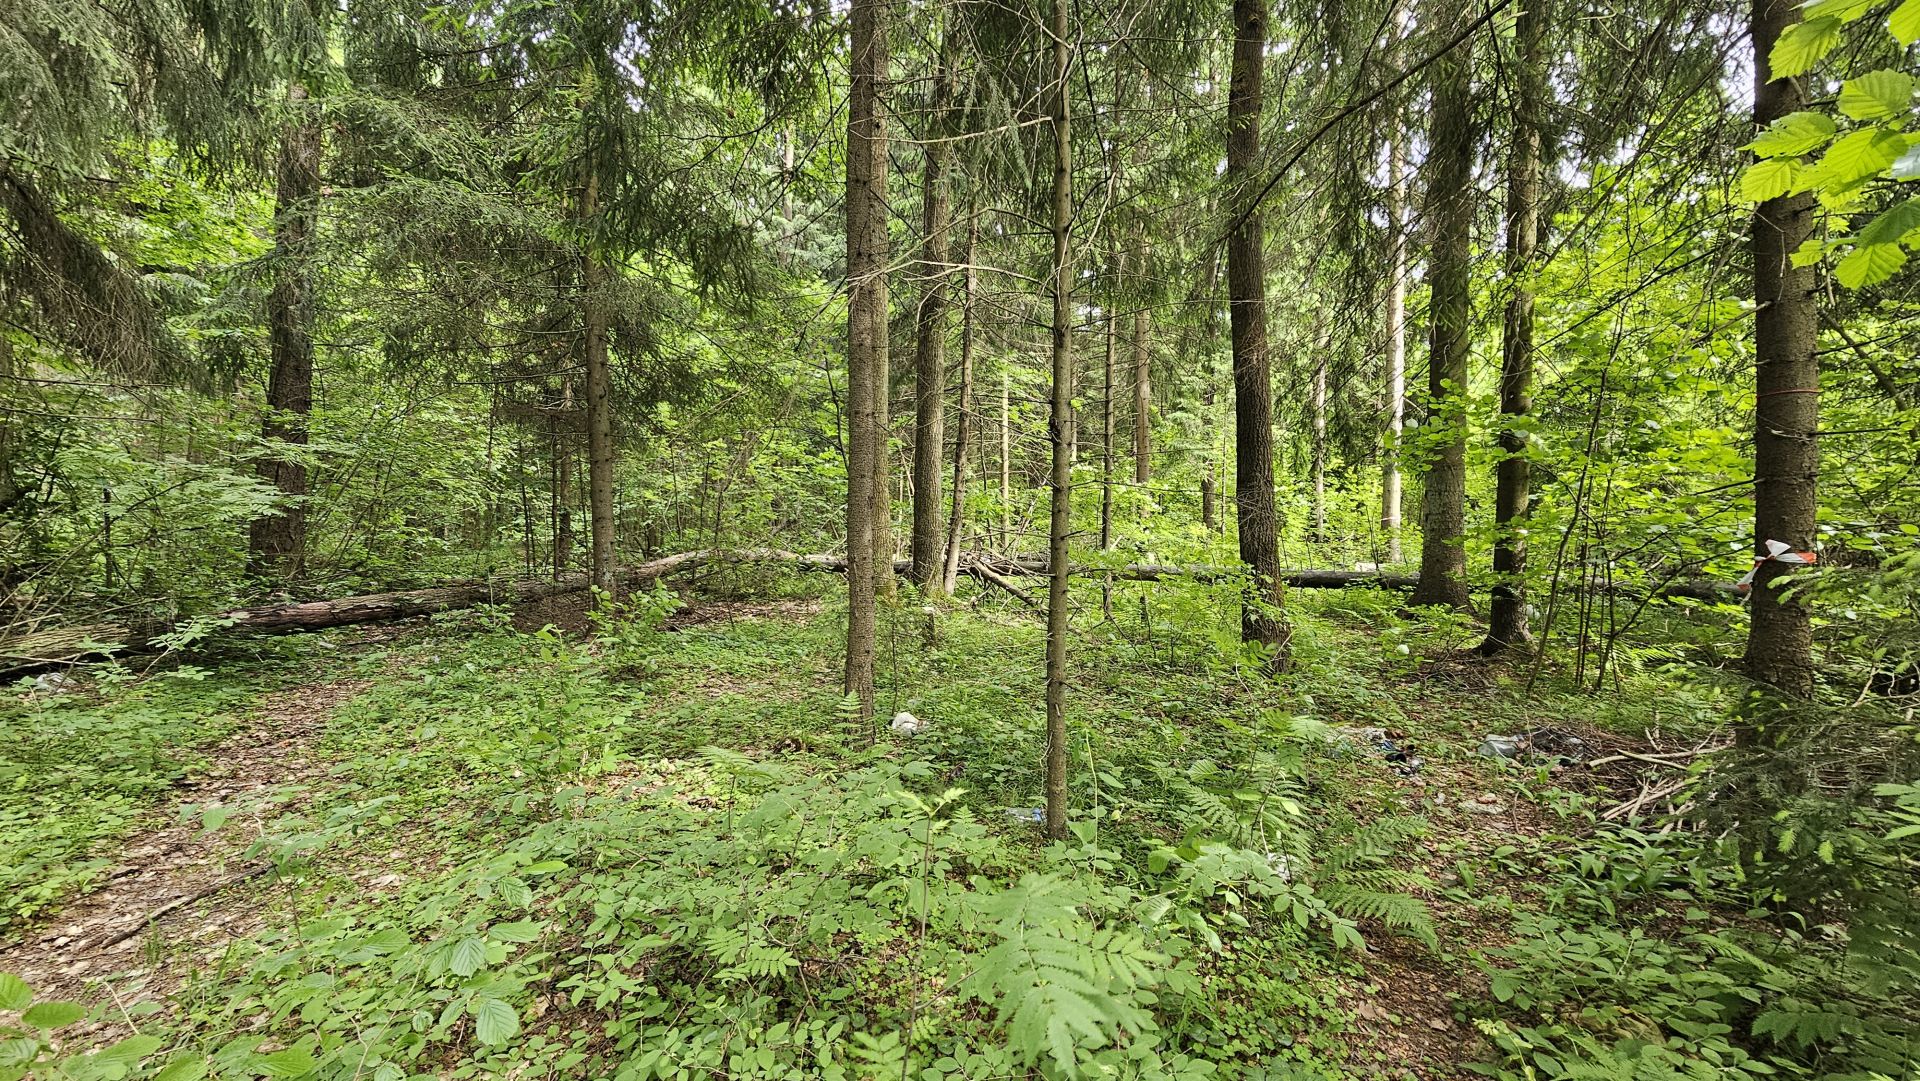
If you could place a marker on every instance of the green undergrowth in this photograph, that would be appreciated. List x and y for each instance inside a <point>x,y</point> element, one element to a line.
<point>82,764</point>
<point>652,854</point>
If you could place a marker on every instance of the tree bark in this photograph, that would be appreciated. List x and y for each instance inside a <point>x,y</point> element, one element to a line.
<point>866,343</point>
<point>1142,384</point>
<point>963,423</point>
<point>1786,387</point>
<point>1106,458</point>
<point>1060,432</point>
<point>1507,621</point>
<point>277,543</point>
<point>1006,460</point>
<point>599,386</point>
<point>1396,345</point>
<point>1449,206</point>
<point>930,354</point>
<point>1262,617</point>
<point>1317,406</point>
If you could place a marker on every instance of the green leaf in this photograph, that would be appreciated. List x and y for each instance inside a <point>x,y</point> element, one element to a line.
<point>517,931</point>
<point>1905,22</point>
<point>14,992</point>
<point>1810,253</point>
<point>1768,179</point>
<point>1803,45</point>
<point>494,1021</point>
<point>130,1051</point>
<point>1870,264</point>
<point>290,1062</point>
<point>53,1014</point>
<point>192,1068</point>
<point>1893,225</point>
<point>1794,134</point>
<point>1877,95</point>
<point>1859,155</point>
<point>1844,10</point>
<point>469,957</point>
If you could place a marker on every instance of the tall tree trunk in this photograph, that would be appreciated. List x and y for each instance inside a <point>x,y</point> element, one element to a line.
<point>599,380</point>
<point>1060,432</point>
<point>562,480</point>
<point>930,353</point>
<point>1262,618</point>
<point>866,341</point>
<point>1106,458</point>
<point>1787,387</point>
<point>1006,460</point>
<point>1449,206</point>
<point>1317,406</point>
<point>1142,380</point>
<point>1396,344</point>
<point>1507,622</point>
<point>276,545</point>
<point>963,423</point>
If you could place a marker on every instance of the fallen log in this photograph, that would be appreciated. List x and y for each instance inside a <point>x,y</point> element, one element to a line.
<point>48,648</point>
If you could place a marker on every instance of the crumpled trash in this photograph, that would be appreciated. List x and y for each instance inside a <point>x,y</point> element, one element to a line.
<point>1027,814</point>
<point>1554,745</point>
<point>51,682</point>
<point>1282,865</point>
<point>1401,757</point>
<point>906,724</point>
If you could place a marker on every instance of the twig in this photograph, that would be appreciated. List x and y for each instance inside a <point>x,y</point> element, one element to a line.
<point>178,903</point>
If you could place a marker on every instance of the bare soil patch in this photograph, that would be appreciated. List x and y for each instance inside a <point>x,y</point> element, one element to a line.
<point>180,892</point>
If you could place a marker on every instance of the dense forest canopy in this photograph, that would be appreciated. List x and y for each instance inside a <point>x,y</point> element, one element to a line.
<point>1246,392</point>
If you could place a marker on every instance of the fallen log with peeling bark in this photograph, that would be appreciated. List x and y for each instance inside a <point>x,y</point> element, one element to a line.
<point>69,644</point>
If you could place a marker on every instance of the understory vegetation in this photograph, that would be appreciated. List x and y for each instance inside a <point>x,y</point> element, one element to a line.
<point>921,540</point>
<point>642,853</point>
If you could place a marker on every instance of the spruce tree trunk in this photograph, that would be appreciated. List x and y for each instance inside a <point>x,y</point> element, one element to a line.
<point>1262,619</point>
<point>1007,544</point>
<point>1106,458</point>
<point>277,544</point>
<point>1317,405</point>
<point>1396,346</point>
<point>866,341</point>
<point>1507,622</point>
<point>930,359</point>
<point>1449,207</point>
<point>963,422</point>
<point>1786,385</point>
<point>1060,433</point>
<point>562,480</point>
<point>1142,379</point>
<point>599,381</point>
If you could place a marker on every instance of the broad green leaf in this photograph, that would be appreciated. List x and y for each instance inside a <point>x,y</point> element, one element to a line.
<point>517,931</point>
<point>1857,156</point>
<point>1870,264</point>
<point>469,957</point>
<point>1877,95</point>
<point>494,1021</point>
<point>1844,10</point>
<point>1905,22</point>
<point>130,1051</point>
<point>1810,253</point>
<point>1892,226</point>
<point>53,1014</point>
<point>1794,134</point>
<point>192,1068</point>
<point>14,992</point>
<point>290,1062</point>
<point>1802,46</point>
<point>1768,179</point>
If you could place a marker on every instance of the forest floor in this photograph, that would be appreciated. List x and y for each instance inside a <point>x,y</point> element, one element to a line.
<point>356,844</point>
